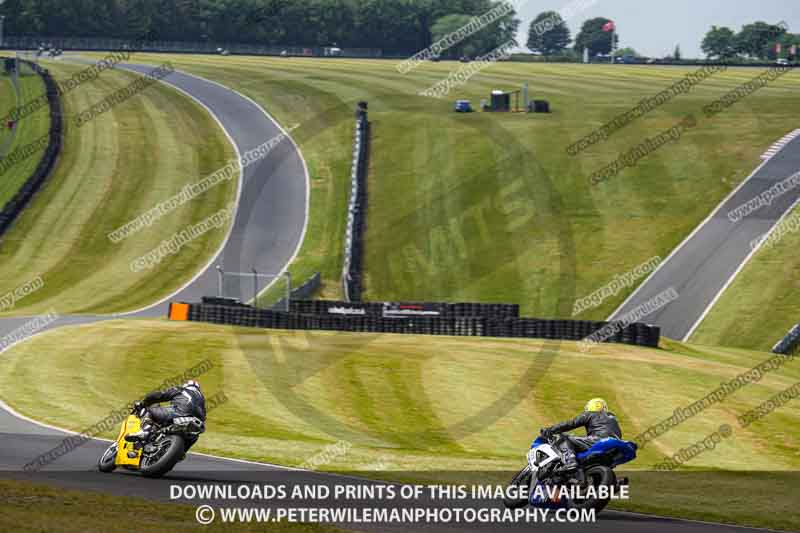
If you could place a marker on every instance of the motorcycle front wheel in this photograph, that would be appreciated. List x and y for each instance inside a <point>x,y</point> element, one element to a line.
<point>522,479</point>
<point>168,452</point>
<point>108,461</point>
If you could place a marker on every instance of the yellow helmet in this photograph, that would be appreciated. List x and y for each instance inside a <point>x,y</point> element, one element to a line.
<point>596,405</point>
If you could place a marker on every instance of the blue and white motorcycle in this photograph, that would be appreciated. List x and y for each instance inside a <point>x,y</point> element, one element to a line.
<point>545,470</point>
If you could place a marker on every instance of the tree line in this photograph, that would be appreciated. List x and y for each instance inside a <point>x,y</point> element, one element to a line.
<point>758,40</point>
<point>386,24</point>
<point>549,35</point>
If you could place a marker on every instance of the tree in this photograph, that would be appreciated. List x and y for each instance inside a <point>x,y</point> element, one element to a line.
<point>758,39</point>
<point>719,42</point>
<point>676,55</point>
<point>626,52</point>
<point>593,38</point>
<point>450,24</point>
<point>548,34</point>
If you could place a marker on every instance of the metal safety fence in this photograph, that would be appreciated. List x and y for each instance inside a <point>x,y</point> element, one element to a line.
<point>35,42</point>
<point>789,343</point>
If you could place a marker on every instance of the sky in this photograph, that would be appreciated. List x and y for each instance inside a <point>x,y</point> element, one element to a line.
<point>654,27</point>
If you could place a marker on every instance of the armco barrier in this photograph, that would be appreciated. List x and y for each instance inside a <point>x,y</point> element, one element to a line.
<point>472,326</point>
<point>14,207</point>
<point>789,343</point>
<point>352,275</point>
<point>306,290</point>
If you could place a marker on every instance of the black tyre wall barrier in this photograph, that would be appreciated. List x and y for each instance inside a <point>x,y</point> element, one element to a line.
<point>352,274</point>
<point>472,326</point>
<point>381,309</point>
<point>14,207</point>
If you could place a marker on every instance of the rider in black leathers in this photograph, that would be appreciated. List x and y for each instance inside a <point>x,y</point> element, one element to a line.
<point>186,400</point>
<point>599,424</point>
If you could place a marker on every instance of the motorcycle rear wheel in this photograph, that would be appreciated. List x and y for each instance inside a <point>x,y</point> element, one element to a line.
<point>522,479</point>
<point>108,461</point>
<point>596,475</point>
<point>166,460</point>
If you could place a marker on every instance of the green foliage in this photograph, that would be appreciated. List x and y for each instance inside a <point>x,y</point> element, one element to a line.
<point>719,42</point>
<point>626,52</point>
<point>594,38</point>
<point>758,39</point>
<point>548,34</point>
<point>387,24</point>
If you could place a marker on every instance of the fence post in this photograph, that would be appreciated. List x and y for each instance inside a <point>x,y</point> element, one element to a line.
<point>288,290</point>
<point>221,274</point>
<point>255,288</point>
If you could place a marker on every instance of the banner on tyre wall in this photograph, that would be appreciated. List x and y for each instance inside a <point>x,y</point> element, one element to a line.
<point>398,310</point>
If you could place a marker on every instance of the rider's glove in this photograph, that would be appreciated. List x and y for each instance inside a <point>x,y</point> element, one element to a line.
<point>545,433</point>
<point>138,405</point>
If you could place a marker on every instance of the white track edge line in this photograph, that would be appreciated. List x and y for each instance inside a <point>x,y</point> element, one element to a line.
<point>738,270</point>
<point>305,170</point>
<point>239,191</point>
<point>695,521</point>
<point>686,240</point>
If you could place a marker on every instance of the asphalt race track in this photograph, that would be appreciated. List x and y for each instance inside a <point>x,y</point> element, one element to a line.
<point>268,229</point>
<point>706,263</point>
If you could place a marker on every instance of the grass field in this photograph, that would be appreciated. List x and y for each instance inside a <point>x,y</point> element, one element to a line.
<point>76,511</point>
<point>113,169</point>
<point>28,130</point>
<point>491,207</point>
<point>404,403</point>
<point>761,305</point>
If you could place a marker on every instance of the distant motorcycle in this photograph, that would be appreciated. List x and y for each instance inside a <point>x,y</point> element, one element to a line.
<point>544,470</point>
<point>164,448</point>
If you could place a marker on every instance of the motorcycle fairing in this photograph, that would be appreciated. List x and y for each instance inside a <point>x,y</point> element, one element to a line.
<point>620,451</point>
<point>131,425</point>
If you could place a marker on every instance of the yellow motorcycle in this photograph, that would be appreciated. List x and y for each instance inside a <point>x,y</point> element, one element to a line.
<point>165,447</point>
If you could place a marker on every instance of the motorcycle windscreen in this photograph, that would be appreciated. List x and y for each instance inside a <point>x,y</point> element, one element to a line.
<point>131,425</point>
